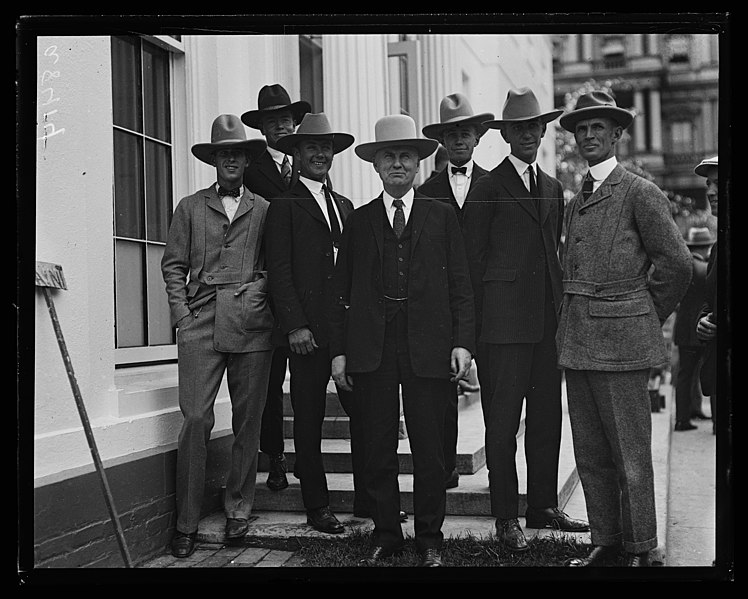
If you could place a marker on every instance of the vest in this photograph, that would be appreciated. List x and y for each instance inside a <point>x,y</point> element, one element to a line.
<point>395,269</point>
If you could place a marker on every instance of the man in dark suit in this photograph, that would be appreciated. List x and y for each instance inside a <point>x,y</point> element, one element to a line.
<point>304,228</point>
<point>459,132</point>
<point>214,269</point>
<point>404,317</point>
<point>512,232</point>
<point>269,176</point>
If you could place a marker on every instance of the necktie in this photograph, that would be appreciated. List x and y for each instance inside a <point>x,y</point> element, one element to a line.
<point>534,194</point>
<point>459,169</point>
<point>286,172</point>
<point>334,224</point>
<point>222,191</point>
<point>398,222</point>
<point>587,187</point>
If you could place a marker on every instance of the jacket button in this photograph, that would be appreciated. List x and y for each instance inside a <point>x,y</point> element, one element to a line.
<point>210,278</point>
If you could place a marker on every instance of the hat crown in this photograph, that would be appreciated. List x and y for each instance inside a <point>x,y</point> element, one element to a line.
<point>454,106</point>
<point>699,236</point>
<point>521,104</point>
<point>273,96</point>
<point>595,99</point>
<point>227,128</point>
<point>395,127</point>
<point>314,123</point>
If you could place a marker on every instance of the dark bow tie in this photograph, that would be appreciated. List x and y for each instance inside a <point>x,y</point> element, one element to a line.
<point>222,191</point>
<point>459,169</point>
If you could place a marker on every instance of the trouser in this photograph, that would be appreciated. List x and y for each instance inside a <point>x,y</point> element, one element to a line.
<point>271,437</point>
<point>424,403</point>
<point>611,423</point>
<point>201,369</point>
<point>688,396</point>
<point>450,432</point>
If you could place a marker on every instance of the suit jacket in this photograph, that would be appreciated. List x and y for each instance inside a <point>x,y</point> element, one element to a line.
<point>438,187</point>
<point>243,323</point>
<point>440,300</point>
<point>626,267</point>
<point>688,311</point>
<point>508,253</point>
<point>301,261</point>
<point>263,177</point>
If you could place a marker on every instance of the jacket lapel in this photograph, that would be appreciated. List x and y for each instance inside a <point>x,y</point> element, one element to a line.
<point>376,218</point>
<point>516,188</point>
<point>606,188</point>
<point>246,203</point>
<point>304,198</point>
<point>421,207</point>
<point>544,187</point>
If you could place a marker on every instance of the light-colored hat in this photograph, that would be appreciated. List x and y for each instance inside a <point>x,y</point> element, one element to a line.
<point>522,105</point>
<point>228,133</point>
<point>455,109</point>
<point>396,130</point>
<point>273,98</point>
<point>315,125</point>
<point>703,167</point>
<point>699,236</point>
<point>595,104</point>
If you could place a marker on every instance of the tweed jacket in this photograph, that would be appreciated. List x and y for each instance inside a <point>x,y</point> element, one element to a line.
<point>440,300</point>
<point>263,177</point>
<point>243,323</point>
<point>300,261</point>
<point>438,187</point>
<point>626,267</point>
<point>509,243</point>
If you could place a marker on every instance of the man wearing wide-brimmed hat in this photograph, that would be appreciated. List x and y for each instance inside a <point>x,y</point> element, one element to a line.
<point>404,317</point>
<point>270,175</point>
<point>458,131</point>
<point>626,267</point>
<point>214,269</point>
<point>303,234</point>
<point>512,229</point>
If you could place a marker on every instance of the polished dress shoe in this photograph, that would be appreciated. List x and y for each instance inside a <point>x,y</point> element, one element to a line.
<point>277,479</point>
<point>378,554</point>
<point>684,425</point>
<point>452,480</point>
<point>509,532</point>
<point>236,528</point>
<point>366,514</point>
<point>597,557</point>
<point>637,560</point>
<point>552,517</point>
<point>323,520</point>
<point>183,544</point>
<point>431,558</point>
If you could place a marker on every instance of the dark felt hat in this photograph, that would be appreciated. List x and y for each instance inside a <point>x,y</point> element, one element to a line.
<point>455,109</point>
<point>592,105</point>
<point>522,105</point>
<point>315,125</point>
<point>273,98</point>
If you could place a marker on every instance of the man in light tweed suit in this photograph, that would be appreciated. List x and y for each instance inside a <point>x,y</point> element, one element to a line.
<point>626,267</point>
<point>512,230</point>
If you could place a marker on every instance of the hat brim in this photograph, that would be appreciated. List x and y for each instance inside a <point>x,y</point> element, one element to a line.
<point>700,244</point>
<point>340,141</point>
<point>424,147</point>
<point>620,115</point>
<point>436,130</point>
<point>545,117</point>
<point>702,169</point>
<point>204,151</point>
<point>253,118</point>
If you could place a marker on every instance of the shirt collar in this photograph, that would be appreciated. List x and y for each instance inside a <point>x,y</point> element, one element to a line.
<point>407,199</point>
<point>236,199</point>
<point>314,186</point>
<point>278,155</point>
<point>468,165</point>
<point>602,169</point>
<point>521,165</point>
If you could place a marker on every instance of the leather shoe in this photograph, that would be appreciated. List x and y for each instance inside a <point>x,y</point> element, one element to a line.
<point>684,425</point>
<point>637,560</point>
<point>553,517</point>
<point>365,514</point>
<point>378,554</point>
<point>323,520</point>
<point>509,532</point>
<point>452,480</point>
<point>183,544</point>
<point>236,528</point>
<point>431,558</point>
<point>597,557</point>
<point>277,479</point>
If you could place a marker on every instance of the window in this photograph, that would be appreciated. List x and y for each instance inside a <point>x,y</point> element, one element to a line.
<point>682,137</point>
<point>310,66</point>
<point>678,49</point>
<point>142,195</point>
<point>403,83</point>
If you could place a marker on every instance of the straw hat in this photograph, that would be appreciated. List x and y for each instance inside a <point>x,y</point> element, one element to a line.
<point>699,237</point>
<point>703,167</point>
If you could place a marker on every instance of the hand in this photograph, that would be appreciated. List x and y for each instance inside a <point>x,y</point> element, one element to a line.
<point>242,288</point>
<point>341,379</point>
<point>706,330</point>
<point>460,362</point>
<point>301,341</point>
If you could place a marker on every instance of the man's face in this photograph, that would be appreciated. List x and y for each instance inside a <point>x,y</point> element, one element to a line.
<point>397,167</point>
<point>276,125</point>
<point>596,139</point>
<point>524,138</point>
<point>314,157</point>
<point>712,188</point>
<point>230,165</point>
<point>460,141</point>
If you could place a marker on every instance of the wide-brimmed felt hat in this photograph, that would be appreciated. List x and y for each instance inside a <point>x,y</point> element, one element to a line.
<point>315,125</point>
<point>396,130</point>
<point>699,237</point>
<point>522,105</point>
<point>703,167</point>
<point>228,133</point>
<point>273,98</point>
<point>455,110</point>
<point>596,104</point>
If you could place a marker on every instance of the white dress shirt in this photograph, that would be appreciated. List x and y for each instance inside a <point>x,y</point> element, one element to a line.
<point>460,183</point>
<point>390,208</point>
<point>601,171</point>
<point>523,170</point>
<point>230,203</point>
<point>315,188</point>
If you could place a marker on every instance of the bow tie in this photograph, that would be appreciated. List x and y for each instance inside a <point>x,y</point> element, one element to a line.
<point>459,169</point>
<point>222,191</point>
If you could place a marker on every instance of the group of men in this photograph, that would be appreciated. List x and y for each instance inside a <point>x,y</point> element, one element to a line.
<point>270,267</point>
